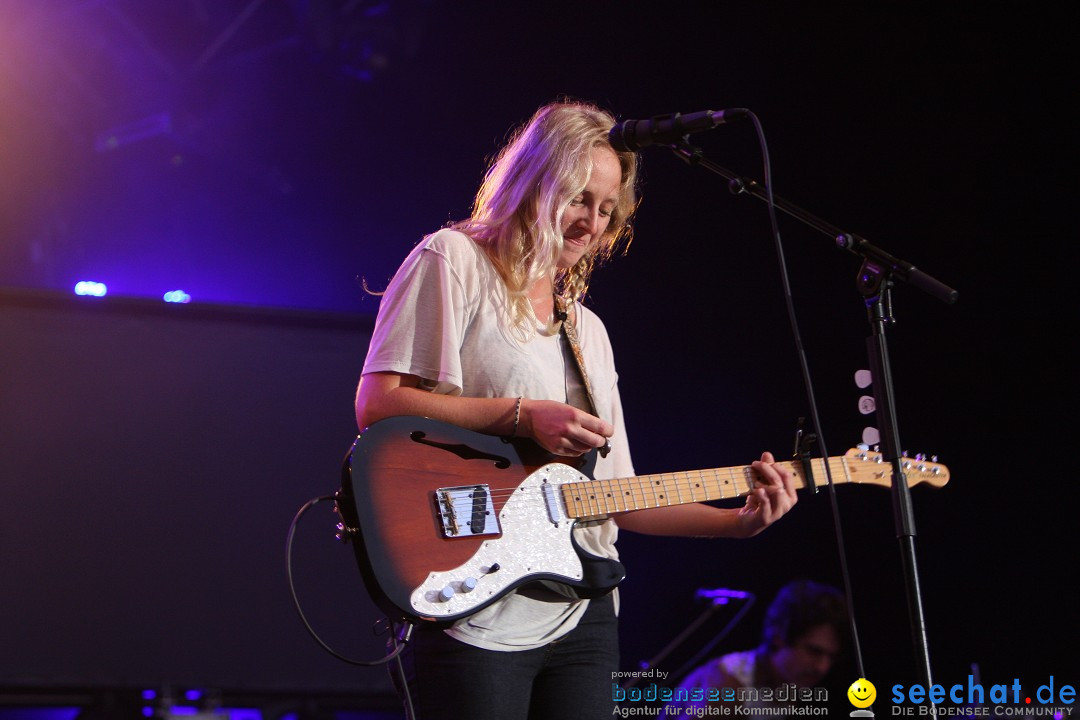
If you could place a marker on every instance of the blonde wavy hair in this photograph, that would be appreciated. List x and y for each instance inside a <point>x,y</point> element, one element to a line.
<point>518,210</point>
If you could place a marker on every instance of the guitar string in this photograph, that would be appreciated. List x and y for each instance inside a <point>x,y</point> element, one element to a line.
<point>710,484</point>
<point>606,502</point>
<point>691,482</point>
<point>665,489</point>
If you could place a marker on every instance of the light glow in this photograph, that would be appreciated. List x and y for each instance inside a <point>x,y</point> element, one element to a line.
<point>176,296</point>
<point>90,288</point>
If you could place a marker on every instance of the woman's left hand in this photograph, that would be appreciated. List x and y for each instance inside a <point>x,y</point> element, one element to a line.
<point>772,497</point>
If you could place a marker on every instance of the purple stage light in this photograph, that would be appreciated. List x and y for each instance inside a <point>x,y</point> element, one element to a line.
<point>721,596</point>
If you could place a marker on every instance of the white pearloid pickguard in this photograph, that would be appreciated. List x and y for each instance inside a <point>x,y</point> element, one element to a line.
<point>532,543</point>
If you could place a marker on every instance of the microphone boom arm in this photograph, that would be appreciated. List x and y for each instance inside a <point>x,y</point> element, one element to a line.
<point>847,241</point>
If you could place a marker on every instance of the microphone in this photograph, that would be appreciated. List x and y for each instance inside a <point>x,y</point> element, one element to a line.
<point>667,129</point>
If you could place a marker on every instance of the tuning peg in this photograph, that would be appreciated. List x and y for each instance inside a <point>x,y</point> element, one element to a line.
<point>867,404</point>
<point>863,379</point>
<point>871,436</point>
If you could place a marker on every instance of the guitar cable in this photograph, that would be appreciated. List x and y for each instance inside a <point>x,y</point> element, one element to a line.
<point>399,635</point>
<point>693,156</point>
<point>804,366</point>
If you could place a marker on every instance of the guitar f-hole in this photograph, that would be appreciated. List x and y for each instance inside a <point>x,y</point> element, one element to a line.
<point>465,452</point>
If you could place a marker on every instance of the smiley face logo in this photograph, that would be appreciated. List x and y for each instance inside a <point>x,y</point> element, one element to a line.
<point>862,693</point>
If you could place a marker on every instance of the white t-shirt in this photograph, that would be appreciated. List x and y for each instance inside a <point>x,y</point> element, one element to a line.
<point>443,319</point>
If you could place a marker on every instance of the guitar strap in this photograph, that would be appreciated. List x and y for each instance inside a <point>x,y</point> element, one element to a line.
<point>570,333</point>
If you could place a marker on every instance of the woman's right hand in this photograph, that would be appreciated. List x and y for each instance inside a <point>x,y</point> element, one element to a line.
<point>562,429</point>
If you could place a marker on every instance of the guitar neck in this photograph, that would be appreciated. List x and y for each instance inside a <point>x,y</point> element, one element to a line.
<point>597,498</point>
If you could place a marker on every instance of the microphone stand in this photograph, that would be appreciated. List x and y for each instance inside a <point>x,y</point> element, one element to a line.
<point>875,280</point>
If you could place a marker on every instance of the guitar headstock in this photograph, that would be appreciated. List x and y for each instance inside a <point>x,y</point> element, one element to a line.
<point>868,466</point>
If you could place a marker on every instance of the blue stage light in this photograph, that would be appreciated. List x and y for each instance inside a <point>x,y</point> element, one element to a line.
<point>176,296</point>
<point>91,288</point>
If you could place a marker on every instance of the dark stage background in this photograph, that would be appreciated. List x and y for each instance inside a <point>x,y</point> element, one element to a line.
<point>269,157</point>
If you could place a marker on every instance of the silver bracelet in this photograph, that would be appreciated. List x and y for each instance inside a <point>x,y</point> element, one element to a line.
<point>517,417</point>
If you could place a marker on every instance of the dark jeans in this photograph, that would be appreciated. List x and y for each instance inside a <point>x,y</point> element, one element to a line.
<point>568,678</point>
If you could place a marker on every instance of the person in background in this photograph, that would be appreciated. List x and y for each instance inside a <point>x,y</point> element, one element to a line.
<point>803,634</point>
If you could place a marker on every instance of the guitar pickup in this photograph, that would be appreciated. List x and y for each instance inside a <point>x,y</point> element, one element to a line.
<point>466,511</point>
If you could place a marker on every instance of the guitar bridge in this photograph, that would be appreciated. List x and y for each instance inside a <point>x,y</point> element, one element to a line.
<point>466,511</point>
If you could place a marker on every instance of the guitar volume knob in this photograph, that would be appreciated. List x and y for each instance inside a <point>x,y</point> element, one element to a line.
<point>446,593</point>
<point>468,584</point>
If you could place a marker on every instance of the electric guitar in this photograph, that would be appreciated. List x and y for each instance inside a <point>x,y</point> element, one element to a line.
<point>445,521</point>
